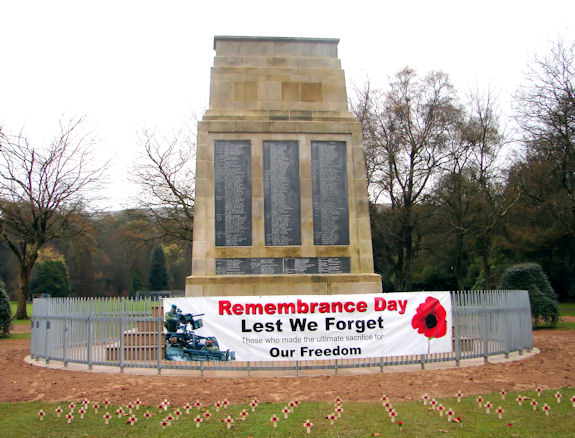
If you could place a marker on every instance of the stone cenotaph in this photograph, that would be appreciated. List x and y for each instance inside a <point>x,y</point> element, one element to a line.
<point>281,202</point>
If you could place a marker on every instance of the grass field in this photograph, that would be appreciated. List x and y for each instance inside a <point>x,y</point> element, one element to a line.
<point>13,305</point>
<point>567,309</point>
<point>357,420</point>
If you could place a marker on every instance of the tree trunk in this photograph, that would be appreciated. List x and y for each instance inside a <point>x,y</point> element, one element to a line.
<point>484,249</point>
<point>404,266</point>
<point>23,282</point>
<point>459,261</point>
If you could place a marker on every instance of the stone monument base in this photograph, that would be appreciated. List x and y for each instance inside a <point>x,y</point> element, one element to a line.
<point>293,284</point>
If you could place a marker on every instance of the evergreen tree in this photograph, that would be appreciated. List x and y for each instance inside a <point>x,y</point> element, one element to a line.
<point>530,276</point>
<point>136,281</point>
<point>158,276</point>
<point>5,312</point>
<point>51,277</point>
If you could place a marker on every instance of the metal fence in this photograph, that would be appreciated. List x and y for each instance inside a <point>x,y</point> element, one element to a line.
<point>129,333</point>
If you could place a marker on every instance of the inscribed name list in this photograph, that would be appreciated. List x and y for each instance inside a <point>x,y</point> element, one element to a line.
<point>233,193</point>
<point>329,192</point>
<point>282,216</point>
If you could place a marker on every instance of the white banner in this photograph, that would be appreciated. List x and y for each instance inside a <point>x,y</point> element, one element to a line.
<point>314,327</point>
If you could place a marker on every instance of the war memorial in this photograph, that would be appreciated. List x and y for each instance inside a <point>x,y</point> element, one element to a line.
<point>281,198</point>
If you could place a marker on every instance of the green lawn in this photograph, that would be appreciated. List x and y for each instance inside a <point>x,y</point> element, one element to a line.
<point>18,336</point>
<point>13,306</point>
<point>358,420</point>
<point>567,309</point>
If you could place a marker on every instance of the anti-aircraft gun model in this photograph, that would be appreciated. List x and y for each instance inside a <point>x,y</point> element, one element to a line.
<point>183,344</point>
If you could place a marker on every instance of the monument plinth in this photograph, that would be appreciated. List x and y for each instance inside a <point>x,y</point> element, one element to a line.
<point>281,195</point>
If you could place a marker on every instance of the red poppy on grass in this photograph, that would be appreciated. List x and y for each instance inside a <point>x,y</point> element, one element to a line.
<point>430,319</point>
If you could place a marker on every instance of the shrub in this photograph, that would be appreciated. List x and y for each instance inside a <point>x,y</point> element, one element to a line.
<point>136,281</point>
<point>158,275</point>
<point>51,277</point>
<point>5,312</point>
<point>530,276</point>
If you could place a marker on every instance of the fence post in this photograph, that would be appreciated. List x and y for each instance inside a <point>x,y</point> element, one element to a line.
<point>455,308</point>
<point>89,324</point>
<point>64,330</point>
<point>64,349</point>
<point>485,329</point>
<point>521,337</point>
<point>46,356</point>
<point>32,346</point>
<point>159,322</point>
<point>122,329</point>
<point>457,338</point>
<point>509,329</point>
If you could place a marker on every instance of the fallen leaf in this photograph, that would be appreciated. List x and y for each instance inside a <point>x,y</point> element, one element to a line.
<point>376,434</point>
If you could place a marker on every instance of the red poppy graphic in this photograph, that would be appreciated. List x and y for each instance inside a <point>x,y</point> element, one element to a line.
<point>430,319</point>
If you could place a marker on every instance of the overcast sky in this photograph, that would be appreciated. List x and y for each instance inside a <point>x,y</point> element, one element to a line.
<point>127,65</point>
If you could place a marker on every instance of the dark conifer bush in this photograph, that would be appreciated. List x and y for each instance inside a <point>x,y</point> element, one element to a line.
<point>530,276</point>
<point>5,312</point>
<point>51,277</point>
<point>158,275</point>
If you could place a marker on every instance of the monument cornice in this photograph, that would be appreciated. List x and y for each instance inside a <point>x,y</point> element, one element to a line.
<point>274,39</point>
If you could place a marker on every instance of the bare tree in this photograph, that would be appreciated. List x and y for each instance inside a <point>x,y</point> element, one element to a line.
<point>407,130</point>
<point>43,192</point>
<point>364,107</point>
<point>472,188</point>
<point>486,140</point>
<point>546,114</point>
<point>166,177</point>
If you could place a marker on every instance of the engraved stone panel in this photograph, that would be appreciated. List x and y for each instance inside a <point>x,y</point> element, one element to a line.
<point>333,265</point>
<point>329,191</point>
<point>233,193</point>
<point>303,265</point>
<point>249,266</point>
<point>279,265</point>
<point>282,215</point>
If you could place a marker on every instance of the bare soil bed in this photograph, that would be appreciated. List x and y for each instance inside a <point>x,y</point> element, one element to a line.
<point>552,368</point>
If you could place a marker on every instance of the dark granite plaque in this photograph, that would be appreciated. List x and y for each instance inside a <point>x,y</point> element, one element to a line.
<point>282,216</point>
<point>300,265</point>
<point>233,192</point>
<point>333,265</point>
<point>288,265</point>
<point>329,191</point>
<point>249,266</point>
